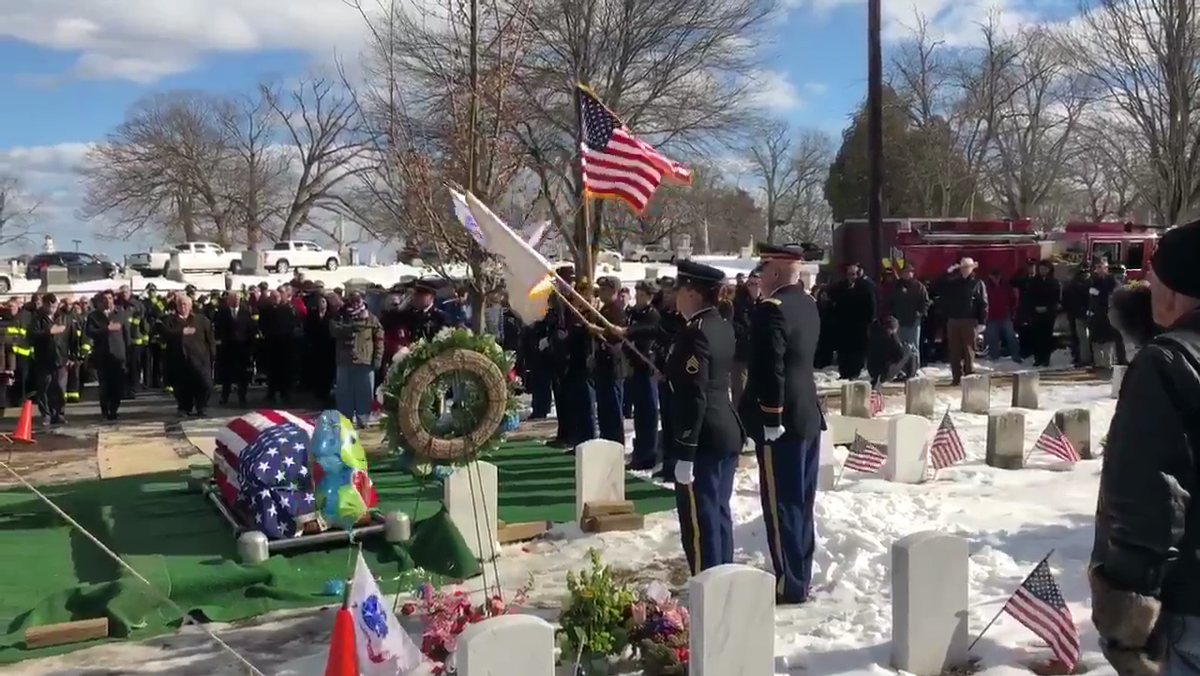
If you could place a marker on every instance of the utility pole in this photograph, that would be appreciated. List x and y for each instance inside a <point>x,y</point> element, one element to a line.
<point>77,242</point>
<point>875,134</point>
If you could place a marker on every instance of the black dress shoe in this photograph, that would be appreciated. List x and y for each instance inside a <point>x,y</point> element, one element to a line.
<point>640,466</point>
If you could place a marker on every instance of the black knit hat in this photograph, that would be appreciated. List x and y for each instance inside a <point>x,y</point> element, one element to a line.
<point>1176,259</point>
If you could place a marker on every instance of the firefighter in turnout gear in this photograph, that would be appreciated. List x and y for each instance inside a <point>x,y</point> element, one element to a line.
<point>10,339</point>
<point>23,375</point>
<point>155,307</point>
<point>80,348</point>
<point>135,315</point>
<point>51,336</point>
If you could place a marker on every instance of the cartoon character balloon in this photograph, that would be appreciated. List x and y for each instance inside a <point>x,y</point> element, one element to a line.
<point>344,491</point>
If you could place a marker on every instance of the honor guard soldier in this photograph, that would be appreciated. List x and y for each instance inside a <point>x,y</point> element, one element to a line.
<point>708,434</point>
<point>782,414</point>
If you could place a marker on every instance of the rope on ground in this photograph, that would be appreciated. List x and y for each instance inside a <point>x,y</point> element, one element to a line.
<point>187,619</point>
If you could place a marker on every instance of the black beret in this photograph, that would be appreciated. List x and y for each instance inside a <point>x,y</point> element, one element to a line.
<point>690,273</point>
<point>1176,259</point>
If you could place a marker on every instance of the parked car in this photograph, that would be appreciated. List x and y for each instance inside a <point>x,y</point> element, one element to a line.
<point>652,253</point>
<point>81,267</point>
<point>295,253</point>
<point>193,257</point>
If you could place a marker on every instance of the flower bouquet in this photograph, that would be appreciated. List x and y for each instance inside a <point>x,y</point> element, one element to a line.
<point>660,628</point>
<point>445,614</point>
<point>593,625</point>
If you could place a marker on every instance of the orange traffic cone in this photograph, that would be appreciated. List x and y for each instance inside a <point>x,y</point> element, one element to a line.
<point>24,430</point>
<point>343,660</point>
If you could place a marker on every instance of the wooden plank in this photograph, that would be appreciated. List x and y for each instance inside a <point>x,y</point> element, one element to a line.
<point>527,530</point>
<point>605,508</point>
<point>66,632</point>
<point>613,522</point>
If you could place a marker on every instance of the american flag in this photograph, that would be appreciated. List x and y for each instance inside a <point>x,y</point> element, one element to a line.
<point>1054,442</point>
<point>615,163</point>
<point>947,447</point>
<point>864,456</point>
<point>261,468</point>
<point>876,402</point>
<point>1039,606</point>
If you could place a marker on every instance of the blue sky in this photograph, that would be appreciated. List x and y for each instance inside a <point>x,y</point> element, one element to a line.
<point>70,69</point>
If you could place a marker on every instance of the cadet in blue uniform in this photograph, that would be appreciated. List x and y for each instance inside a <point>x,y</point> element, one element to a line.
<point>708,434</point>
<point>782,414</point>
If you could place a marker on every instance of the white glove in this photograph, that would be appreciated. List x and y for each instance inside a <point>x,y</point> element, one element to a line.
<point>772,433</point>
<point>544,344</point>
<point>685,474</point>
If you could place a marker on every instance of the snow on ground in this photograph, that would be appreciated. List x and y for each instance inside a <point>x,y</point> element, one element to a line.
<point>1011,518</point>
<point>828,379</point>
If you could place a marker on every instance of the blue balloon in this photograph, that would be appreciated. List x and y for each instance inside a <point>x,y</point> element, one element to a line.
<point>326,444</point>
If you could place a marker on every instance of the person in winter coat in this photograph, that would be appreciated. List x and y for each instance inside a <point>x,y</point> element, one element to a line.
<point>109,332</point>
<point>358,339</point>
<point>191,345</point>
<point>1042,297</point>
<point>1000,329</point>
<point>744,299</point>
<point>888,357</point>
<point>50,337</point>
<point>1144,571</point>
<point>234,330</point>
<point>1075,300</point>
<point>321,370</point>
<point>1100,329</point>
<point>963,301</point>
<point>908,302</point>
<point>854,302</point>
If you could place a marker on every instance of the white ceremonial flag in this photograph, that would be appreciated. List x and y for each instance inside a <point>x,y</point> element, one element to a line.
<point>383,647</point>
<point>527,275</point>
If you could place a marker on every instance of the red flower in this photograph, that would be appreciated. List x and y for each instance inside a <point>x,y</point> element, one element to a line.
<point>682,655</point>
<point>408,609</point>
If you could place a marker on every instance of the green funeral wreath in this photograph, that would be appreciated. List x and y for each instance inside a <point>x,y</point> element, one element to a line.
<point>479,370</point>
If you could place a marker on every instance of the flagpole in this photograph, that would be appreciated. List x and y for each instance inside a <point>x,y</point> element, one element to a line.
<point>583,227</point>
<point>1001,611</point>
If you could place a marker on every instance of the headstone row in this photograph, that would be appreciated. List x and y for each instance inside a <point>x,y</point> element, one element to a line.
<point>1005,447</point>
<point>732,610</point>
<point>920,397</point>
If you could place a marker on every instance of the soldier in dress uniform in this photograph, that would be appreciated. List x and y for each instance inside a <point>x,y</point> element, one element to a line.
<point>708,434</point>
<point>782,414</point>
<point>422,319</point>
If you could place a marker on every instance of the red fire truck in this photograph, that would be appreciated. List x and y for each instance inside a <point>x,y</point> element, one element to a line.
<point>931,245</point>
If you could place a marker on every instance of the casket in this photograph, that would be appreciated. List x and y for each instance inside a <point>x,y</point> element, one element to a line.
<point>265,476</point>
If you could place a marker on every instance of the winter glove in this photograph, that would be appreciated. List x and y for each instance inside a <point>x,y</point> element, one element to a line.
<point>1126,623</point>
<point>685,473</point>
<point>772,433</point>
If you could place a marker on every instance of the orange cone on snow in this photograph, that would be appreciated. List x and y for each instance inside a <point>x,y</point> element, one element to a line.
<point>343,660</point>
<point>24,430</point>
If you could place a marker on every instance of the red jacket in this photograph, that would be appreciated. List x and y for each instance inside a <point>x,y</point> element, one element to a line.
<point>1002,299</point>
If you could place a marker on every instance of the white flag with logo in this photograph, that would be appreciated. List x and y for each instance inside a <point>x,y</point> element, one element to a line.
<point>384,648</point>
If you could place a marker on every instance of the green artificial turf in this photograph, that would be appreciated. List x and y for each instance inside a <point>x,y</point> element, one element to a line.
<point>171,536</point>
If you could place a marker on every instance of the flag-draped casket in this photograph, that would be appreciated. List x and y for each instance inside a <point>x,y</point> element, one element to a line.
<point>263,471</point>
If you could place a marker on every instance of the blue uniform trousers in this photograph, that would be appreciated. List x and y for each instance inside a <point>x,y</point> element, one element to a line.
<point>705,520</point>
<point>541,387</point>
<point>581,396</point>
<point>788,486</point>
<point>668,428</point>
<point>610,393</point>
<point>643,393</point>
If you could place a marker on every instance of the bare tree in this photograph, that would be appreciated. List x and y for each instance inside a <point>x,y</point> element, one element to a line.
<point>328,151</point>
<point>1105,173</point>
<point>675,70</point>
<point>164,169</point>
<point>257,169</point>
<point>1034,128</point>
<point>17,209</point>
<point>1144,56</point>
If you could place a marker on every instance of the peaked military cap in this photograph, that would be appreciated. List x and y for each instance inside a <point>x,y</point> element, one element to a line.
<point>783,252</point>
<point>691,273</point>
<point>425,286</point>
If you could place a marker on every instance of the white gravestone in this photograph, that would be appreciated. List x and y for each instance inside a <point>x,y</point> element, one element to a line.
<point>732,611</point>
<point>1025,389</point>
<point>1102,355</point>
<point>1076,425</point>
<point>919,397</point>
<point>1118,375</point>
<point>827,466</point>
<point>599,473</point>
<point>856,399</point>
<point>977,394</point>
<point>906,439</point>
<point>1006,440</point>
<point>843,429</point>
<point>472,501</point>
<point>506,645</point>
<point>930,572</point>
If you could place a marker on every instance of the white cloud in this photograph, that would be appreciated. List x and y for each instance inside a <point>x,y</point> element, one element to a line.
<point>144,40</point>
<point>773,89</point>
<point>816,88</point>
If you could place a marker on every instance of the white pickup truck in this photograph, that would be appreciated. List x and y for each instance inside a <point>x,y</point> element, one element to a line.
<point>298,253</point>
<point>193,257</point>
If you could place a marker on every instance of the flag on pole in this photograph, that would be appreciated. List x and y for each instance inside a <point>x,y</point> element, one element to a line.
<point>381,644</point>
<point>947,447</point>
<point>876,402</point>
<point>615,163</point>
<point>1039,606</point>
<point>865,456</point>
<point>528,277</point>
<point>1054,442</point>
